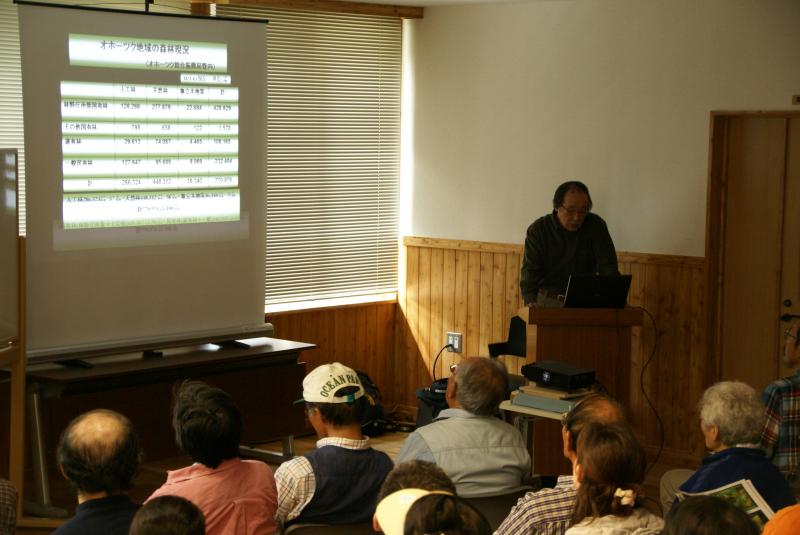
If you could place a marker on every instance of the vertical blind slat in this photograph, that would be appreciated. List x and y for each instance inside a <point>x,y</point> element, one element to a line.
<point>333,142</point>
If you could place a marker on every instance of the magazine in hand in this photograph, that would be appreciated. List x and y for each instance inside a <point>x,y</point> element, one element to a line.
<point>743,495</point>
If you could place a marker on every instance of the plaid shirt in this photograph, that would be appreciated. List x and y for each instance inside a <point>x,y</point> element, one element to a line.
<point>546,512</point>
<point>8,507</point>
<point>781,434</point>
<point>296,482</point>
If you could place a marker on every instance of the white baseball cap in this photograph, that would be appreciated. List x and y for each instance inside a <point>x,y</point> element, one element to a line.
<point>322,384</point>
<point>391,512</point>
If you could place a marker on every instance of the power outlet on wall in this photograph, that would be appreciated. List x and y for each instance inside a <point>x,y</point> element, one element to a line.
<point>454,340</point>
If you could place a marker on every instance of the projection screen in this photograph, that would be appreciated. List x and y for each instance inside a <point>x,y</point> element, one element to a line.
<point>146,170</point>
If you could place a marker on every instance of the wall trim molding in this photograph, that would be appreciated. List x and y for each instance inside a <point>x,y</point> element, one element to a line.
<point>462,245</point>
<point>494,247</point>
<point>661,259</point>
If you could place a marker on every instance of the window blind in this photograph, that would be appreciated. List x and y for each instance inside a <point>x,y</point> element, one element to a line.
<point>333,153</point>
<point>11,96</point>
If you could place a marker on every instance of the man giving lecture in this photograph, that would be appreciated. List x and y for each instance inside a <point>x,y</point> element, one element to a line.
<point>569,241</point>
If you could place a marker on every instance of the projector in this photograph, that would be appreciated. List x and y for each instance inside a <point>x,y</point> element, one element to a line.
<point>558,375</point>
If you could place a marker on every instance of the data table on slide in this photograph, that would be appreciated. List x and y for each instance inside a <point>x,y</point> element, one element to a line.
<point>164,153</point>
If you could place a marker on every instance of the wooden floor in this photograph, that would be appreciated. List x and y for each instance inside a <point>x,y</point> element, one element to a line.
<point>390,443</point>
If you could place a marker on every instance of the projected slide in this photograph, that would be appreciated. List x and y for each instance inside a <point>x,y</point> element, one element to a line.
<point>138,154</point>
<point>145,177</point>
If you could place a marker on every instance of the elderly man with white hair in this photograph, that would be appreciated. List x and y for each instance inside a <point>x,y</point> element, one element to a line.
<point>731,419</point>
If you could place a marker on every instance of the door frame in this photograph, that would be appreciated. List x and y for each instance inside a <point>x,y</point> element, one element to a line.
<point>716,212</point>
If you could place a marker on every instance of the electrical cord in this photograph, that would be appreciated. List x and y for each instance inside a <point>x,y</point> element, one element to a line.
<point>644,392</point>
<point>407,426</point>
<point>436,360</point>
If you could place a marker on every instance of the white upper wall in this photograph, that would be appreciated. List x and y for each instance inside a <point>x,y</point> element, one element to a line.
<point>509,100</point>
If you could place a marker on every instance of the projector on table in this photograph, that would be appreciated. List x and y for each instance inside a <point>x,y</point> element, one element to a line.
<point>558,375</point>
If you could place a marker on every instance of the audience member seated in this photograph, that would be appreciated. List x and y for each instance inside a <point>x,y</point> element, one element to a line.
<point>731,419</point>
<point>8,507</point>
<point>237,497</point>
<point>421,512</point>
<point>416,475</point>
<point>413,475</point>
<point>338,482</point>
<point>99,455</point>
<point>549,511</point>
<point>609,473</point>
<point>483,455</point>
<point>780,437</point>
<point>707,515</point>
<point>168,515</point>
<point>785,522</point>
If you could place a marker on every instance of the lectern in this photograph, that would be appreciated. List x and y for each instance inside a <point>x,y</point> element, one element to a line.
<point>594,338</point>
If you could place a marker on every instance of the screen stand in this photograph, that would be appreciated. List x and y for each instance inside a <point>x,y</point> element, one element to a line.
<point>236,344</point>
<point>76,363</point>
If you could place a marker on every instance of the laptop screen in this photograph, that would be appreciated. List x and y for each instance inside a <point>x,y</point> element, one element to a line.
<point>597,291</point>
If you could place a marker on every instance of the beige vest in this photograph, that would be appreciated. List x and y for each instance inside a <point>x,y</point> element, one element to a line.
<point>484,456</point>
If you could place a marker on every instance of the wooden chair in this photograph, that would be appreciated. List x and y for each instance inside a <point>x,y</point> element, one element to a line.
<point>496,508</point>
<point>516,345</point>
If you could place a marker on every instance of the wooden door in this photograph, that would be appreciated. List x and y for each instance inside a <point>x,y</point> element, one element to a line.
<point>755,247</point>
<point>790,269</point>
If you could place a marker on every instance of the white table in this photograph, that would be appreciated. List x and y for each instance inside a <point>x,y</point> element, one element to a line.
<point>524,418</point>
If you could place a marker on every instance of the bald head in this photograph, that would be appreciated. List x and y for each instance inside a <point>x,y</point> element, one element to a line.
<point>482,384</point>
<point>98,431</point>
<point>99,452</point>
<point>594,408</point>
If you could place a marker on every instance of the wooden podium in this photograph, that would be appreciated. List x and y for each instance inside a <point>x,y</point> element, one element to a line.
<point>595,338</point>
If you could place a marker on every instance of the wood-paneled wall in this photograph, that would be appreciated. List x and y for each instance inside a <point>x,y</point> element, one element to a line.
<point>360,336</point>
<point>473,288</point>
<point>672,290</point>
<point>467,287</point>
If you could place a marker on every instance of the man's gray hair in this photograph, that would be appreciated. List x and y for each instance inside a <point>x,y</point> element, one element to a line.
<point>735,409</point>
<point>482,385</point>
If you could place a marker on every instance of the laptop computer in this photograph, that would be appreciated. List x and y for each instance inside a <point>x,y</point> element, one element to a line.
<point>597,291</point>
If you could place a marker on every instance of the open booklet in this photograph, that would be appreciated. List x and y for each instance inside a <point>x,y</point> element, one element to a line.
<point>743,495</point>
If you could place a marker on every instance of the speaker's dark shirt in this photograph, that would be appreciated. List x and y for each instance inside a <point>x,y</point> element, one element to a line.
<point>553,253</point>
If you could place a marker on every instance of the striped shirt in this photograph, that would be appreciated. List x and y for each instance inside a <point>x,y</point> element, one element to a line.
<point>781,434</point>
<point>545,512</point>
<point>296,482</point>
<point>8,506</point>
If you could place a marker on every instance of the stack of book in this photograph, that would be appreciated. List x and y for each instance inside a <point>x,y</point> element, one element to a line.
<point>547,399</point>
<point>552,393</point>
